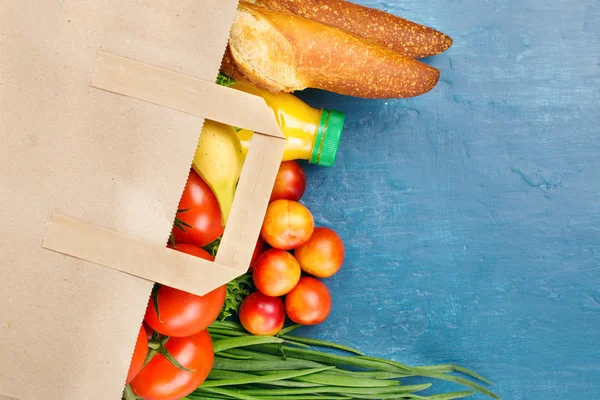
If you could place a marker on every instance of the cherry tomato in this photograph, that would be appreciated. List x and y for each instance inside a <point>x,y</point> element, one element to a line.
<point>309,303</point>
<point>200,210</point>
<point>323,254</point>
<point>276,272</point>
<point>288,225</point>
<point>160,379</point>
<point>182,313</point>
<point>290,183</point>
<point>262,315</point>
<point>139,354</point>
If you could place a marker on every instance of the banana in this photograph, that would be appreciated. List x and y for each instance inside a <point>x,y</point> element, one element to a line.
<point>219,160</point>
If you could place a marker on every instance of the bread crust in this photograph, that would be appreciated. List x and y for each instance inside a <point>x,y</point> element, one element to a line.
<point>399,34</point>
<point>323,57</point>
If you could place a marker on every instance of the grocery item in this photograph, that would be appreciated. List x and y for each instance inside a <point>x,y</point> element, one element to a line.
<point>199,220</point>
<point>276,272</point>
<point>249,367</point>
<point>173,312</point>
<point>288,225</point>
<point>284,52</point>
<point>383,28</point>
<point>323,255</point>
<point>311,134</point>
<point>219,161</point>
<point>139,355</point>
<point>309,303</point>
<point>290,183</point>
<point>237,290</point>
<point>262,315</point>
<point>175,368</point>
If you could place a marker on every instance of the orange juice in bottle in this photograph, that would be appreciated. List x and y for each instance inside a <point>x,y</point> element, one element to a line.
<point>311,134</point>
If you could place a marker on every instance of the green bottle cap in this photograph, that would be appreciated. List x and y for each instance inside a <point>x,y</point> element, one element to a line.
<point>328,138</point>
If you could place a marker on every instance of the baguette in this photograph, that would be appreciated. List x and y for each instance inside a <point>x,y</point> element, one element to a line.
<point>388,30</point>
<point>284,52</point>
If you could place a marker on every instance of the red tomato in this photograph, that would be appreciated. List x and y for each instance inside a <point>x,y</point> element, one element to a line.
<point>139,354</point>
<point>290,183</point>
<point>192,250</point>
<point>161,380</point>
<point>309,303</point>
<point>259,249</point>
<point>288,225</point>
<point>276,272</point>
<point>149,331</point>
<point>182,313</point>
<point>262,315</point>
<point>323,254</point>
<point>200,210</point>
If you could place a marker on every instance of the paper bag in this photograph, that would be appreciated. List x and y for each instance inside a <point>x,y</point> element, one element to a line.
<point>113,163</point>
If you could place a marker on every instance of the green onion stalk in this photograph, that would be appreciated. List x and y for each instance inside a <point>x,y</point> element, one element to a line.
<point>291,367</point>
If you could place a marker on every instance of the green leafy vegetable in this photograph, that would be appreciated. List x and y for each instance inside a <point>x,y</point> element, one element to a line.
<point>237,290</point>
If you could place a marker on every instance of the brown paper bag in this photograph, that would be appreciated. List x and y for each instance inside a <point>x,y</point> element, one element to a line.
<point>114,163</point>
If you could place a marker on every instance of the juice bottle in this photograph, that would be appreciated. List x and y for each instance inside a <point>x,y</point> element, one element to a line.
<point>311,134</point>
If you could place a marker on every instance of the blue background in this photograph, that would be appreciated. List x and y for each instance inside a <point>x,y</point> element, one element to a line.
<point>471,215</point>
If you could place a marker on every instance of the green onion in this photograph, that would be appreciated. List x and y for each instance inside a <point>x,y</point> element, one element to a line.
<point>230,394</point>
<point>306,397</point>
<point>233,356</point>
<point>228,325</point>
<point>367,374</point>
<point>232,343</point>
<point>248,378</point>
<point>225,332</point>
<point>289,329</point>
<point>331,359</point>
<point>320,343</point>
<point>228,375</point>
<point>451,396</point>
<point>461,381</point>
<point>250,367</point>
<point>338,380</point>
<point>254,355</point>
<point>262,365</point>
<point>339,390</point>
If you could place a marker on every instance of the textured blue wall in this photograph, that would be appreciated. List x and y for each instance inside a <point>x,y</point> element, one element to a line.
<point>471,215</point>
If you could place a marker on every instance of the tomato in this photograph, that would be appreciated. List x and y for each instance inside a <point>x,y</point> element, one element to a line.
<point>161,380</point>
<point>192,250</point>
<point>323,254</point>
<point>309,303</point>
<point>182,313</point>
<point>139,354</point>
<point>199,214</point>
<point>287,225</point>
<point>276,272</point>
<point>290,183</point>
<point>259,249</point>
<point>149,331</point>
<point>262,315</point>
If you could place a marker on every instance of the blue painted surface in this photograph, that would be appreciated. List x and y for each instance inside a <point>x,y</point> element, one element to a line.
<point>471,215</point>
